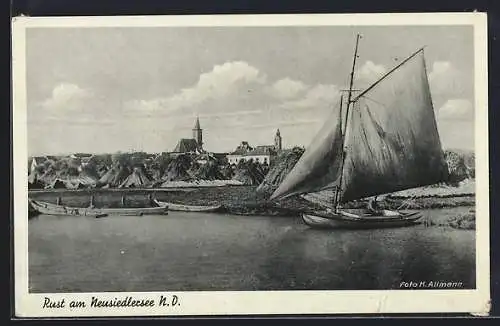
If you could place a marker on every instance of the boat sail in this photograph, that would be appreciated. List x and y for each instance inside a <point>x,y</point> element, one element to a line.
<point>389,141</point>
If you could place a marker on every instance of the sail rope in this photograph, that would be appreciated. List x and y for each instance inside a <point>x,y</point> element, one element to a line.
<point>371,99</point>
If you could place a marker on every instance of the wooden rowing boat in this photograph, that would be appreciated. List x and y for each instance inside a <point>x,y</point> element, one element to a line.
<point>53,209</point>
<point>189,208</point>
<point>345,220</point>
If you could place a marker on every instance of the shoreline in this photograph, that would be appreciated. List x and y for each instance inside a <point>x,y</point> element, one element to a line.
<point>236,200</point>
<point>164,189</point>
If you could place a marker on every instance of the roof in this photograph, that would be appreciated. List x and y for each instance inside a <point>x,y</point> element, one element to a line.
<point>239,151</point>
<point>243,148</point>
<point>82,155</point>
<point>219,154</point>
<point>261,150</point>
<point>197,124</point>
<point>186,145</point>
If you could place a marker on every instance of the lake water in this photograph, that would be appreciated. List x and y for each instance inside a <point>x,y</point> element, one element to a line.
<point>192,251</point>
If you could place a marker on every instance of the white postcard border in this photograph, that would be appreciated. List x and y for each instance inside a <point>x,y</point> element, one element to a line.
<point>257,302</point>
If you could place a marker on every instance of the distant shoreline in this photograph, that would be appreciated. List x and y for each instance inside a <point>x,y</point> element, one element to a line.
<point>247,201</point>
<point>238,199</point>
<point>164,189</point>
<point>192,188</point>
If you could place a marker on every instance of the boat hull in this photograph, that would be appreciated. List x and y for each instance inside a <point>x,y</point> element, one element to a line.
<point>189,208</point>
<point>343,220</point>
<point>53,209</point>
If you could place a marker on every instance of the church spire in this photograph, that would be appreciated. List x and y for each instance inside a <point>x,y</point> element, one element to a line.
<point>198,133</point>
<point>277,141</point>
<point>197,123</point>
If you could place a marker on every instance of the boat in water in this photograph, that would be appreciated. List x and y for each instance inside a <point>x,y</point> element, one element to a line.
<point>189,208</point>
<point>54,209</point>
<point>382,140</point>
<point>347,220</point>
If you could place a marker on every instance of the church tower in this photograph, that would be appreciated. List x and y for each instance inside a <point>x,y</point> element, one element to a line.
<point>197,133</point>
<point>277,141</point>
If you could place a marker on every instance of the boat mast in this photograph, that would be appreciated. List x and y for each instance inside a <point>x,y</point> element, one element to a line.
<point>341,102</point>
<point>341,133</point>
<point>349,100</point>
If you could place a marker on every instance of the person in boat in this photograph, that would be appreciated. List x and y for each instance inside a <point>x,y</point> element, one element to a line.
<point>91,205</point>
<point>151,201</point>
<point>373,206</point>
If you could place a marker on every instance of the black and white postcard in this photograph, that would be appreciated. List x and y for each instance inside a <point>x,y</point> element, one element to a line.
<point>250,164</point>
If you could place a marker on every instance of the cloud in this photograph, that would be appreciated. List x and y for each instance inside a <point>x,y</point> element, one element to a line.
<point>282,124</point>
<point>287,88</point>
<point>368,73</point>
<point>319,96</point>
<point>219,83</point>
<point>66,96</point>
<point>69,103</point>
<point>446,80</point>
<point>237,86</point>
<point>456,109</point>
<point>456,134</point>
<point>235,98</point>
<point>225,81</point>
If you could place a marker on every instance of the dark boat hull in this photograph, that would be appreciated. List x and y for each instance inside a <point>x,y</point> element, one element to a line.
<point>343,220</point>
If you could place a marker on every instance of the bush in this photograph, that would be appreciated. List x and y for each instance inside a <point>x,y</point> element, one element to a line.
<point>456,167</point>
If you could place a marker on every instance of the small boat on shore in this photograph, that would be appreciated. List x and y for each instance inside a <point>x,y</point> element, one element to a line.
<point>54,209</point>
<point>189,208</point>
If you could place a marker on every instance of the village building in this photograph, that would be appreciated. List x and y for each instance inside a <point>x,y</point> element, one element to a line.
<point>263,154</point>
<point>150,159</point>
<point>83,158</point>
<point>192,145</point>
<point>80,160</point>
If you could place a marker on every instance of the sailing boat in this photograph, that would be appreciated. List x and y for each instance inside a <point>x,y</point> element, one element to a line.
<point>382,140</point>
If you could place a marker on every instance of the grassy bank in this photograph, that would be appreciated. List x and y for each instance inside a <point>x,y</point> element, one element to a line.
<point>242,200</point>
<point>462,221</point>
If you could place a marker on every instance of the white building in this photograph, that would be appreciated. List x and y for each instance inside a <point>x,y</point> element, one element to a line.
<point>262,154</point>
<point>83,158</point>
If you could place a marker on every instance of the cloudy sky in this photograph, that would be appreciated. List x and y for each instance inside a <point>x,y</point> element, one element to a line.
<point>120,89</point>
